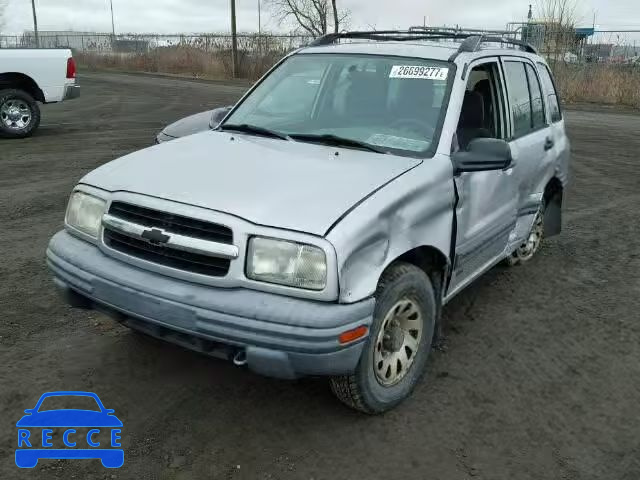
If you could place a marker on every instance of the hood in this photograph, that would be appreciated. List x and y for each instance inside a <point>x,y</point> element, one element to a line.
<point>189,125</point>
<point>270,182</point>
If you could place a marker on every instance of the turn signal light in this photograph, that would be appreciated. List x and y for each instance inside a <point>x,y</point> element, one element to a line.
<point>353,335</point>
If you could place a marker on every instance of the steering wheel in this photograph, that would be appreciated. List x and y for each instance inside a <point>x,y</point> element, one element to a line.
<point>414,125</point>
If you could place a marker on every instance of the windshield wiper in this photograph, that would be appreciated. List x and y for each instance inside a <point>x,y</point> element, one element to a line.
<point>329,139</point>
<point>254,129</point>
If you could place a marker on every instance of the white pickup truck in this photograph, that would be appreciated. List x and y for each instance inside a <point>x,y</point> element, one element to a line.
<point>29,76</point>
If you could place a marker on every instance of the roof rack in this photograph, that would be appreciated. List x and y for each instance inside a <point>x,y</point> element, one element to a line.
<point>471,40</point>
<point>473,43</point>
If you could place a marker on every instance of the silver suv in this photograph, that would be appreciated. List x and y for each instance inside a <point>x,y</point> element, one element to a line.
<point>319,230</point>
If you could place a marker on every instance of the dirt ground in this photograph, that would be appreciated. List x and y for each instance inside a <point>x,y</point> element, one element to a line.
<point>540,377</point>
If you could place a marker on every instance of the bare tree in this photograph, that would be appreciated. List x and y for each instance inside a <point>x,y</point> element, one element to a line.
<point>559,18</point>
<point>559,12</point>
<point>313,17</point>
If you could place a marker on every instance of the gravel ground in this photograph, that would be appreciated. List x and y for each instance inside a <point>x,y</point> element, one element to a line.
<point>539,378</point>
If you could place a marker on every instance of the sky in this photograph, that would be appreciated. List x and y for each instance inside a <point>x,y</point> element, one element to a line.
<point>190,16</point>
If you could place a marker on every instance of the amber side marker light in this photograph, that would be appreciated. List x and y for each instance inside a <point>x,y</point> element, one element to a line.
<point>352,335</point>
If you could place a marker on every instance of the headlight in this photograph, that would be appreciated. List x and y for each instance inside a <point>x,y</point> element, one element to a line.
<point>85,212</point>
<point>287,263</point>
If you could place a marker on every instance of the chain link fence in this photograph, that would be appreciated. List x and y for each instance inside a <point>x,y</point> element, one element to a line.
<point>205,55</point>
<point>589,66</point>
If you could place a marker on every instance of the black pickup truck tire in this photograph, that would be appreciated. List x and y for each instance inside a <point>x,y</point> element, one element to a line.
<point>19,114</point>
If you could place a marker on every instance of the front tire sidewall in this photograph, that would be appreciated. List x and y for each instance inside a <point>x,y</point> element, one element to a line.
<point>7,132</point>
<point>416,286</point>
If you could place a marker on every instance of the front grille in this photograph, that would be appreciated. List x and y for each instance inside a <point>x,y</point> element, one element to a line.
<point>191,262</point>
<point>189,227</point>
<point>162,254</point>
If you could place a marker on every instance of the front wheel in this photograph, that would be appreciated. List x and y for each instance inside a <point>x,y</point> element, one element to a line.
<point>395,355</point>
<point>19,114</point>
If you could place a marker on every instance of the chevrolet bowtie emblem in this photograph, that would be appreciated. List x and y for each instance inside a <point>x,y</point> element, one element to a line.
<point>155,236</point>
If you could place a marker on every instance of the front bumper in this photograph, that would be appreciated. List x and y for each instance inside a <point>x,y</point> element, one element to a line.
<point>71,92</point>
<point>282,337</point>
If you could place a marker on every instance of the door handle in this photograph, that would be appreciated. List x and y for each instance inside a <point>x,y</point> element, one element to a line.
<point>548,144</point>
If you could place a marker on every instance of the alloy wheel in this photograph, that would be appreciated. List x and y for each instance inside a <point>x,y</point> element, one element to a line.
<point>15,114</point>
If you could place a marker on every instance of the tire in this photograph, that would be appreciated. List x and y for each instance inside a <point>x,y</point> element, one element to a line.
<point>528,250</point>
<point>365,390</point>
<point>19,114</point>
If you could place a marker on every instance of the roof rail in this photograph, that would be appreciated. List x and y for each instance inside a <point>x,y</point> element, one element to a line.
<point>471,42</point>
<point>385,36</point>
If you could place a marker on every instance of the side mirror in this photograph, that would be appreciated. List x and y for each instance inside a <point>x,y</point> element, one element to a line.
<point>483,155</point>
<point>218,115</point>
<point>29,411</point>
<point>109,411</point>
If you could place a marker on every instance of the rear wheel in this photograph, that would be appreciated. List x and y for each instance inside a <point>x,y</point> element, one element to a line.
<point>530,247</point>
<point>19,114</point>
<point>395,355</point>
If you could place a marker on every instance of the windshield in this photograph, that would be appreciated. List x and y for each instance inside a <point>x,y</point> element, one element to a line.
<point>392,103</point>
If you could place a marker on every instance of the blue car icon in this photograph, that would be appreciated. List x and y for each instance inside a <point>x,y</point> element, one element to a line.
<point>32,446</point>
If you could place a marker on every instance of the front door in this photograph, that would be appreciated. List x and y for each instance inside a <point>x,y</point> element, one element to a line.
<point>487,201</point>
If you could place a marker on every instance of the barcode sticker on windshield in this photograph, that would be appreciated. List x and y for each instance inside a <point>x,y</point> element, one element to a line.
<point>416,71</point>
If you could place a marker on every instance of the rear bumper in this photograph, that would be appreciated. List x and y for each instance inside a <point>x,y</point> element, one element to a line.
<point>71,92</point>
<point>282,337</point>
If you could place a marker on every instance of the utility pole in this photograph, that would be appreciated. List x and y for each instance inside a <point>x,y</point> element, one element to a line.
<point>35,23</point>
<point>234,40</point>
<point>113,24</point>
<point>259,28</point>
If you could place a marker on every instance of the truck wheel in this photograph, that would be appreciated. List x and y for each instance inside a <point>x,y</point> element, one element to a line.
<point>395,355</point>
<point>530,247</point>
<point>19,114</point>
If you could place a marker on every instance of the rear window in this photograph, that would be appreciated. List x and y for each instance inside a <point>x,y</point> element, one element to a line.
<point>550,90</point>
<point>537,104</point>
<point>519,98</point>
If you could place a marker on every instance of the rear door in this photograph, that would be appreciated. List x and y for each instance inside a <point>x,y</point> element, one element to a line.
<point>532,142</point>
<point>560,152</point>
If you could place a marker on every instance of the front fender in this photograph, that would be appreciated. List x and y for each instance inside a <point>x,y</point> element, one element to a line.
<point>415,210</point>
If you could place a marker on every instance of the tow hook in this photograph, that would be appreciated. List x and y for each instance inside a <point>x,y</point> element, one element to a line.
<point>240,358</point>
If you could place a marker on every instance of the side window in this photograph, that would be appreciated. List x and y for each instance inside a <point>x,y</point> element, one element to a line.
<point>483,112</point>
<point>518,89</point>
<point>537,104</point>
<point>552,94</point>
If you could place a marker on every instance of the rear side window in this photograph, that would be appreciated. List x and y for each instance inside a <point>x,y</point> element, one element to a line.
<point>519,98</point>
<point>537,104</point>
<point>550,90</point>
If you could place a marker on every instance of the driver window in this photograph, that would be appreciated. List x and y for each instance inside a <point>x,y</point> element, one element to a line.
<point>482,114</point>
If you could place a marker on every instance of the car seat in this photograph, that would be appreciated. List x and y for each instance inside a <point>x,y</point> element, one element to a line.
<point>472,120</point>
